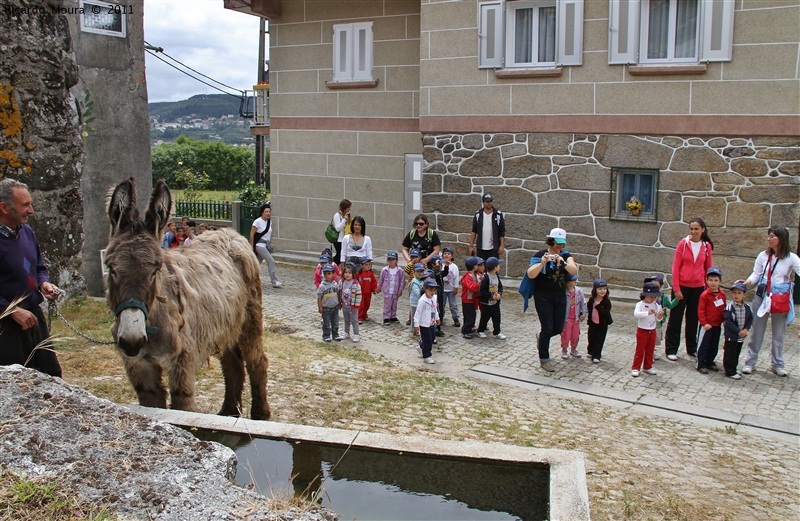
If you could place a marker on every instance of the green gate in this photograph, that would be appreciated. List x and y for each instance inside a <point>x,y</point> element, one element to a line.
<point>246,217</point>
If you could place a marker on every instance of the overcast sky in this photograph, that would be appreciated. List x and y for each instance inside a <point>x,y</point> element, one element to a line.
<point>218,42</point>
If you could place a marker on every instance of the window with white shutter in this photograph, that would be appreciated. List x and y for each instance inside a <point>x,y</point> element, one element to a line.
<point>670,31</point>
<point>530,33</point>
<point>352,52</point>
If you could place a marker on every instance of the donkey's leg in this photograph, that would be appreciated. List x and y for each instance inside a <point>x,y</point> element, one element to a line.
<point>183,374</point>
<point>146,380</point>
<point>257,364</point>
<point>233,371</point>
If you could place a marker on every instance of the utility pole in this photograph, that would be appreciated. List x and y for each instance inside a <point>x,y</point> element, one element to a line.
<point>260,177</point>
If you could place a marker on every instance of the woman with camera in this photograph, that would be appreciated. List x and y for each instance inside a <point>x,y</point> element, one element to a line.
<point>693,256</point>
<point>550,296</point>
<point>772,273</point>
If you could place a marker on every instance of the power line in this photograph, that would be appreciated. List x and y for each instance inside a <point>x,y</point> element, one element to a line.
<point>196,78</point>
<point>194,70</point>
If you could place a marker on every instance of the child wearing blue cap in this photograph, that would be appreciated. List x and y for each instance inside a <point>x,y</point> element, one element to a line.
<point>451,284</point>
<point>328,304</point>
<point>710,313</point>
<point>391,283</point>
<point>415,291</point>
<point>491,292</point>
<point>426,318</point>
<point>738,321</point>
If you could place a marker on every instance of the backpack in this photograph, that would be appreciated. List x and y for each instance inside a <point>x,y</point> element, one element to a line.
<point>429,233</point>
<point>331,233</point>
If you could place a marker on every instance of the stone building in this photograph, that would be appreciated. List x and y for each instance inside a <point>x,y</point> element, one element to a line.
<point>561,109</point>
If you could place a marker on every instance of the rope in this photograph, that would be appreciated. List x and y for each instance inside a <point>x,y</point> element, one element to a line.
<point>53,310</point>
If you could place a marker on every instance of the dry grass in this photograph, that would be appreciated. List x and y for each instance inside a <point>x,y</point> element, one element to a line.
<point>637,467</point>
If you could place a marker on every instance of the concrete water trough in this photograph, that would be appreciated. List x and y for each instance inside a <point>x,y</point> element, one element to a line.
<point>566,496</point>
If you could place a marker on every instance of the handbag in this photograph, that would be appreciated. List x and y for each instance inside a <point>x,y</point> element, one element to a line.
<point>779,303</point>
<point>331,233</point>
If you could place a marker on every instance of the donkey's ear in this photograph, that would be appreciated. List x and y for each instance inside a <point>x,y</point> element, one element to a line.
<point>122,206</point>
<point>159,209</point>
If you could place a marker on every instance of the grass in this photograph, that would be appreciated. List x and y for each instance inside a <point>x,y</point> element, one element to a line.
<point>664,467</point>
<point>209,195</point>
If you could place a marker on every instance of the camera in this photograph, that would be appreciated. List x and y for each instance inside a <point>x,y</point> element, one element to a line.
<point>760,290</point>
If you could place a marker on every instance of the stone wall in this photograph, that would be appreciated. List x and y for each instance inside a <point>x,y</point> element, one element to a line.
<point>738,186</point>
<point>39,139</point>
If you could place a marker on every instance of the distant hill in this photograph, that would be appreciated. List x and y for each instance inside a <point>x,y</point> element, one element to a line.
<point>203,106</point>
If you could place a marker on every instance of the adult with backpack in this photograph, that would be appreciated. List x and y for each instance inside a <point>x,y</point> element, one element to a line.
<point>423,238</point>
<point>488,231</point>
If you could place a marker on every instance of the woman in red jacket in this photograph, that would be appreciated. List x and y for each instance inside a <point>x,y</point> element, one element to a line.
<point>693,257</point>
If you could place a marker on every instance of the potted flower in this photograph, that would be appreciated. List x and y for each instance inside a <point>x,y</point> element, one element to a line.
<point>634,205</point>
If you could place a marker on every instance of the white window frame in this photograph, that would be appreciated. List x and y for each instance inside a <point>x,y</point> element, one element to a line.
<point>87,7</point>
<point>628,33</point>
<point>352,52</point>
<point>672,27</point>
<point>496,33</point>
<point>649,211</point>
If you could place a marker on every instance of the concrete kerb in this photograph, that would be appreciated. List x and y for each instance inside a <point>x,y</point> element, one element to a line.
<point>569,496</point>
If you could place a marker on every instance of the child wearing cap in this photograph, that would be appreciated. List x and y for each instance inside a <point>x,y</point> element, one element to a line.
<point>738,321</point>
<point>710,313</point>
<point>599,313</point>
<point>470,294</point>
<point>328,304</point>
<point>391,282</point>
<point>439,273</point>
<point>324,259</point>
<point>647,311</point>
<point>450,289</point>
<point>415,290</point>
<point>426,318</point>
<point>350,295</point>
<point>416,256</point>
<point>491,292</point>
<point>369,285</point>
<point>667,303</point>
<point>576,313</point>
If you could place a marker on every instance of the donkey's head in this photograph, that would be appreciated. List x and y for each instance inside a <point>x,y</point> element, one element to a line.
<point>134,258</point>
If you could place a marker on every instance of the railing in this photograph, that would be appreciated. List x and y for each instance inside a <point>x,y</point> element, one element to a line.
<point>217,211</point>
<point>261,104</point>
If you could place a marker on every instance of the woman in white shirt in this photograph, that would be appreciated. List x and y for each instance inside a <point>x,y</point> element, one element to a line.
<point>357,244</point>
<point>260,237</point>
<point>777,264</point>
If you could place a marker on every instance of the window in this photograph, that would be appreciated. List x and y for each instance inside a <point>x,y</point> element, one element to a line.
<point>634,194</point>
<point>352,52</point>
<point>538,33</point>
<point>104,18</point>
<point>670,31</point>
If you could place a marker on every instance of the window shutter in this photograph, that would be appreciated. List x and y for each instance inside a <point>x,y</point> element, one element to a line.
<point>342,52</point>
<point>623,31</point>
<point>490,35</point>
<point>717,30</point>
<point>362,51</point>
<point>570,32</point>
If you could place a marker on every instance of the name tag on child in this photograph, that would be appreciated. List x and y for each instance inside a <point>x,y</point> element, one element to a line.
<point>719,302</point>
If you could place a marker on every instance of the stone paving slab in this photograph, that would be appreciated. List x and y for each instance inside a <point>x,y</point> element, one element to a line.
<point>761,395</point>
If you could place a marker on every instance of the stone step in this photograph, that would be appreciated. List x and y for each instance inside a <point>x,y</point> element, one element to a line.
<point>621,294</point>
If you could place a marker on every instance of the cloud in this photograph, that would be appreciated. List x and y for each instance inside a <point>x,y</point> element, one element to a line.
<point>218,42</point>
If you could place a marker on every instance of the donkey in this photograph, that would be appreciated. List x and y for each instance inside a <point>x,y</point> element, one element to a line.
<point>175,308</point>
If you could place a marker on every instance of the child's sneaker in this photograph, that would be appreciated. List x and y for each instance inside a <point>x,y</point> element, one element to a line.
<point>575,353</point>
<point>386,321</point>
<point>429,360</point>
<point>408,322</point>
<point>356,338</point>
<point>481,334</point>
<point>327,339</point>
<point>634,373</point>
<point>467,335</point>
<point>338,338</point>
<point>395,319</point>
<point>500,336</point>
<point>656,356</point>
<point>595,360</point>
<point>651,371</point>
<point>736,376</point>
<point>456,323</point>
<point>564,354</point>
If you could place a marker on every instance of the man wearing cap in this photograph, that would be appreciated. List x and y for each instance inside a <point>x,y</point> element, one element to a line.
<point>488,231</point>
<point>23,274</point>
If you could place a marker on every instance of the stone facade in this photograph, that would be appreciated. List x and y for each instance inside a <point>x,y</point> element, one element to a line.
<point>739,186</point>
<point>40,143</point>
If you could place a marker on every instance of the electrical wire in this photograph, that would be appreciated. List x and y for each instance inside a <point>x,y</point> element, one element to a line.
<point>242,93</point>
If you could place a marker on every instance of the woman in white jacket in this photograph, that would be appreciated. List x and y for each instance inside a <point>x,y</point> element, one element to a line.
<point>777,264</point>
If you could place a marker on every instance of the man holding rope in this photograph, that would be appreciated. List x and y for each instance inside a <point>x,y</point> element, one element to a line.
<point>24,285</point>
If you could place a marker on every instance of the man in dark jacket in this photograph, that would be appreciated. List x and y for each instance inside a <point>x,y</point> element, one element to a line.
<point>23,274</point>
<point>488,231</point>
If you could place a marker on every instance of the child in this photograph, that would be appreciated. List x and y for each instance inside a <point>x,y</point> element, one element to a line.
<point>324,259</point>
<point>328,304</point>
<point>416,256</point>
<point>648,311</point>
<point>667,303</point>
<point>350,294</point>
<point>599,313</point>
<point>369,285</point>
<point>435,266</point>
<point>426,317</point>
<point>391,282</point>
<point>710,313</point>
<point>470,294</point>
<point>576,313</point>
<point>451,284</point>
<point>491,292</point>
<point>738,321</point>
<point>415,290</point>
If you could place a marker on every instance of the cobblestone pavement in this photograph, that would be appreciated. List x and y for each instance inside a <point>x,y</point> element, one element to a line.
<point>761,394</point>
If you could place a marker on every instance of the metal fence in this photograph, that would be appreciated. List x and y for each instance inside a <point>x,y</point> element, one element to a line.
<point>218,211</point>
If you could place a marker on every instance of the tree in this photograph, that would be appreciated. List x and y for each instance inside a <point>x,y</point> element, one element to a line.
<point>227,167</point>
